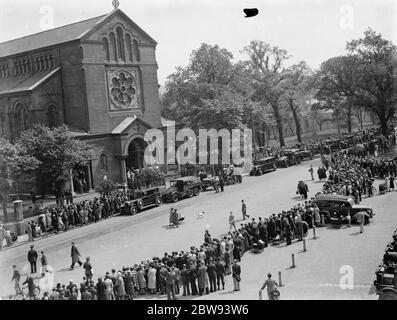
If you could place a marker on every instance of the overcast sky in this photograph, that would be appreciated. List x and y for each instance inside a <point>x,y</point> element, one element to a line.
<point>311,30</point>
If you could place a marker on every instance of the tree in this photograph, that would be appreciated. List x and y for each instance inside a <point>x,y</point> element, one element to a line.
<point>13,161</point>
<point>201,95</point>
<point>56,152</point>
<point>298,86</point>
<point>106,187</point>
<point>268,73</point>
<point>376,65</point>
<point>338,77</point>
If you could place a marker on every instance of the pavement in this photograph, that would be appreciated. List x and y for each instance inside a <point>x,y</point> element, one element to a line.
<point>126,240</point>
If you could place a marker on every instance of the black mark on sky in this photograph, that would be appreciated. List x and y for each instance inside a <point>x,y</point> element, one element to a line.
<point>249,13</point>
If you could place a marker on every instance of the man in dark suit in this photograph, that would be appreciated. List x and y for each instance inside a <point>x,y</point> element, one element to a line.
<point>236,271</point>
<point>185,281</point>
<point>75,254</point>
<point>192,278</point>
<point>211,269</point>
<point>220,273</point>
<point>32,258</point>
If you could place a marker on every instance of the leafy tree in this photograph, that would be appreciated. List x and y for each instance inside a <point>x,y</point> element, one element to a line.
<point>338,77</point>
<point>298,87</point>
<point>376,65</point>
<point>268,73</point>
<point>56,152</point>
<point>13,161</point>
<point>201,94</point>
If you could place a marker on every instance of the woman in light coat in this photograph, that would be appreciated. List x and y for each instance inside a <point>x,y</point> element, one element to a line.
<point>152,279</point>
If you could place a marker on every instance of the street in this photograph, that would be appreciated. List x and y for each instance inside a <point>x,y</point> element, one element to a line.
<point>126,240</point>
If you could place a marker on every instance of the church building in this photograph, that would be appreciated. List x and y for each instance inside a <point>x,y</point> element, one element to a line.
<point>98,76</point>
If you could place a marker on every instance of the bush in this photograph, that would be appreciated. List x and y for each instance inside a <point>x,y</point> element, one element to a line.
<point>106,187</point>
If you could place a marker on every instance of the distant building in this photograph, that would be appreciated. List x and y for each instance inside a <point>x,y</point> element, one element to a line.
<point>97,76</point>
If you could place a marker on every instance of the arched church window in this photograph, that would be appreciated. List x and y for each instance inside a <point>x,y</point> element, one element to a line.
<point>105,44</point>
<point>135,50</point>
<point>3,123</point>
<point>113,48</point>
<point>128,46</point>
<point>21,118</point>
<point>52,116</point>
<point>120,42</point>
<point>104,162</point>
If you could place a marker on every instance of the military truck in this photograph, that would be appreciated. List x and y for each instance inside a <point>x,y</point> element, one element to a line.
<point>185,187</point>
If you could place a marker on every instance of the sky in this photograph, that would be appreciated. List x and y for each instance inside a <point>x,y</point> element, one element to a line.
<point>310,30</point>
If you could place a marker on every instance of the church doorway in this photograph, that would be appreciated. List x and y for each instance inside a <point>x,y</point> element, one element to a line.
<point>136,152</point>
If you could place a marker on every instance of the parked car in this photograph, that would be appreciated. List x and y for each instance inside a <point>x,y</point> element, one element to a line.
<point>293,156</point>
<point>386,273</point>
<point>209,182</point>
<point>263,165</point>
<point>142,199</point>
<point>282,162</point>
<point>336,207</point>
<point>185,187</point>
<point>304,154</point>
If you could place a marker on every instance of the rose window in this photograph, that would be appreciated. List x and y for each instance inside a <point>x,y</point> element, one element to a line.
<point>123,89</point>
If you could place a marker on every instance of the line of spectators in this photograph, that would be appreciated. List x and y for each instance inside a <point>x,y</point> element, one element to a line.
<point>70,215</point>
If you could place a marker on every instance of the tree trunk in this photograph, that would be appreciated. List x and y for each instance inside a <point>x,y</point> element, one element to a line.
<point>5,213</point>
<point>279,123</point>
<point>337,124</point>
<point>297,123</point>
<point>349,118</point>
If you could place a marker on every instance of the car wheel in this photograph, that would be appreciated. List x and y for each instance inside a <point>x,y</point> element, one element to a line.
<point>196,192</point>
<point>133,210</point>
<point>175,197</point>
<point>388,295</point>
<point>158,202</point>
<point>189,193</point>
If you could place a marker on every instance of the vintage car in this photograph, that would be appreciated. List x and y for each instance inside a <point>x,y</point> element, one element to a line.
<point>263,165</point>
<point>185,187</point>
<point>209,183</point>
<point>142,199</point>
<point>293,156</point>
<point>282,162</point>
<point>331,145</point>
<point>386,273</point>
<point>336,207</point>
<point>304,154</point>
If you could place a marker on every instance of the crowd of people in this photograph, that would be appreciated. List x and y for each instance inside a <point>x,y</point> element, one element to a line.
<point>69,215</point>
<point>205,268</point>
<point>354,176</point>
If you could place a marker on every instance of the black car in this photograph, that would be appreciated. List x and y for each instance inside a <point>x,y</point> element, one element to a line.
<point>263,165</point>
<point>293,156</point>
<point>336,207</point>
<point>142,199</point>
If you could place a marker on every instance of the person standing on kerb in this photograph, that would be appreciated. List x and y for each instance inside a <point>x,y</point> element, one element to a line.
<point>32,258</point>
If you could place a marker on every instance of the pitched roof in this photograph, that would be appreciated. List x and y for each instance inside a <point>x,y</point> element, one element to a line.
<point>49,37</point>
<point>63,34</point>
<point>28,83</point>
<point>127,122</point>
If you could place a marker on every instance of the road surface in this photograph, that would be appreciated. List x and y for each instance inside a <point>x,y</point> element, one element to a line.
<point>126,240</point>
